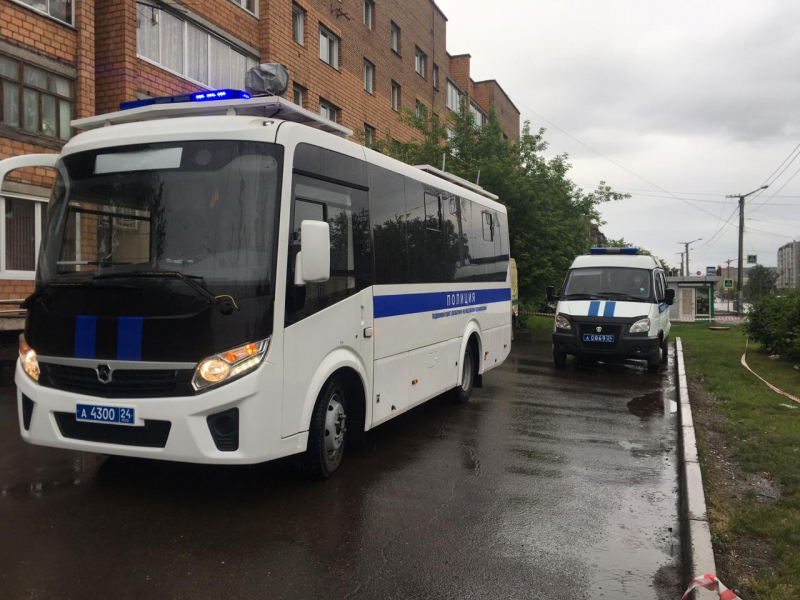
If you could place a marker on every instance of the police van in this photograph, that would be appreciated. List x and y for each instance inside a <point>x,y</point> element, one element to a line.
<point>614,305</point>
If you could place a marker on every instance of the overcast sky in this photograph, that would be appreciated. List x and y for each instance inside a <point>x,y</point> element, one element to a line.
<point>700,98</point>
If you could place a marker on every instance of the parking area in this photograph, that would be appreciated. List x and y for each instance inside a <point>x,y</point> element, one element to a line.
<point>548,484</point>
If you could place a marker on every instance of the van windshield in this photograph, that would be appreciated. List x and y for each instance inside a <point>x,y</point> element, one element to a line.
<point>204,209</point>
<point>614,283</point>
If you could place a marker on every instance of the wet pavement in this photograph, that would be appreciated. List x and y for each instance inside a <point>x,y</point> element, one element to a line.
<point>548,484</point>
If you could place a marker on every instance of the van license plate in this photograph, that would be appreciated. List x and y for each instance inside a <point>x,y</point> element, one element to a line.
<point>591,337</point>
<point>119,415</point>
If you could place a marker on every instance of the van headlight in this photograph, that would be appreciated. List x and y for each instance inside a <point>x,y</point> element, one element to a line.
<point>562,322</point>
<point>27,357</point>
<point>229,364</point>
<point>641,326</point>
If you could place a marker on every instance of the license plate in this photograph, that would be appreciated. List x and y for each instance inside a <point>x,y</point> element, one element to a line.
<point>591,337</point>
<point>119,415</point>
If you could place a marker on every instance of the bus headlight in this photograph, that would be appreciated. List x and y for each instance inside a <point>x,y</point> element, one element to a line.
<point>641,326</point>
<point>229,364</point>
<point>562,322</point>
<point>27,357</point>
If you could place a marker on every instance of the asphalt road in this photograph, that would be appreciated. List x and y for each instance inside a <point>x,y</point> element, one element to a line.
<point>546,485</point>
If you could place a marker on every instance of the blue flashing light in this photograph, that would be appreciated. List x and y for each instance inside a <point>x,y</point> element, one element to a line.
<point>196,97</point>
<point>613,251</point>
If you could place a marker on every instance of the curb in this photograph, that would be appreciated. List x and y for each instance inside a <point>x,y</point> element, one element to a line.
<point>698,553</point>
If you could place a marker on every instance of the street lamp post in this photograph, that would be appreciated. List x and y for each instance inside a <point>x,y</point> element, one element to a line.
<point>686,244</point>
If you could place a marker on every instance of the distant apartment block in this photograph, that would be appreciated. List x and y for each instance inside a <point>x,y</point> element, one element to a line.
<point>789,266</point>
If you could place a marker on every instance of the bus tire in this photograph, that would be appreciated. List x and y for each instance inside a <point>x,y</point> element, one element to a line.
<point>462,392</point>
<point>327,434</point>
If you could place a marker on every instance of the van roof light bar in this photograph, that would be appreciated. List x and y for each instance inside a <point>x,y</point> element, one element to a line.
<point>212,103</point>
<point>457,180</point>
<point>614,251</point>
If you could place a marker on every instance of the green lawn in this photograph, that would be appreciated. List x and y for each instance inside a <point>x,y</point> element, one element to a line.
<point>765,438</point>
<point>540,326</point>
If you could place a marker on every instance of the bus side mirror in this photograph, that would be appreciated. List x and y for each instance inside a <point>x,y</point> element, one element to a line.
<point>314,258</point>
<point>551,294</point>
<point>669,296</point>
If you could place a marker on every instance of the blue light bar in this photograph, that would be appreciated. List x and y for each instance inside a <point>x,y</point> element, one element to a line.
<point>613,251</point>
<point>196,97</point>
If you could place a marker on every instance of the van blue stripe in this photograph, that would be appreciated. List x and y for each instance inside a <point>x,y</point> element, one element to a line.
<point>594,308</point>
<point>408,304</point>
<point>85,336</point>
<point>608,310</point>
<point>129,338</point>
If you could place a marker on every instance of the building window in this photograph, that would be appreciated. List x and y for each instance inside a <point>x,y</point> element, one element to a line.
<point>369,76</point>
<point>395,37</point>
<point>250,6</point>
<point>395,96</point>
<point>436,76</point>
<point>369,135</point>
<point>454,96</point>
<point>369,13</point>
<point>164,39</point>
<point>298,24</point>
<point>22,224</point>
<point>298,94</point>
<point>420,60</point>
<point>58,9</point>
<point>451,133</point>
<point>419,109</point>
<point>35,100</point>
<point>328,47</point>
<point>328,111</point>
<point>480,116</point>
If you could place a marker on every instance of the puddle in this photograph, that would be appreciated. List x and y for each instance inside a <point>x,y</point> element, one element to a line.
<point>649,405</point>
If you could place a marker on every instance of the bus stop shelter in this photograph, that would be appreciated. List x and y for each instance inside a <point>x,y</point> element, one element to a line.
<point>694,297</point>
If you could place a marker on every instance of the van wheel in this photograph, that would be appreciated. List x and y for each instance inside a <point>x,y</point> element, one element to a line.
<point>664,350</point>
<point>462,392</point>
<point>327,435</point>
<point>654,361</point>
<point>559,359</point>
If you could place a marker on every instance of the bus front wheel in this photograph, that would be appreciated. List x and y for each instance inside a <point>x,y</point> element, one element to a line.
<point>327,435</point>
<point>463,391</point>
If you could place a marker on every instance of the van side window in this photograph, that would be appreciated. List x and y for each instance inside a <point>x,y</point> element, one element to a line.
<point>659,286</point>
<point>318,195</point>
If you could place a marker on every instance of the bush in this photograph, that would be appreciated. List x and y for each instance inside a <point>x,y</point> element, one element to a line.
<point>774,322</point>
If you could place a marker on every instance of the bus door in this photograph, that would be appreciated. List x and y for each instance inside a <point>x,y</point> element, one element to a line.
<point>334,316</point>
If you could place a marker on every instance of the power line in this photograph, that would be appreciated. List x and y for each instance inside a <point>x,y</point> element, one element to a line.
<point>781,165</point>
<point>755,208</point>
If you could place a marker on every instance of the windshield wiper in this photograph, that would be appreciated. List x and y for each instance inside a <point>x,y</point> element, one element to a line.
<point>224,302</point>
<point>580,297</point>
<point>622,296</point>
<point>92,263</point>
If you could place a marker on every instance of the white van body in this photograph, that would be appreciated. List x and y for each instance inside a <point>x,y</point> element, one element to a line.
<point>613,305</point>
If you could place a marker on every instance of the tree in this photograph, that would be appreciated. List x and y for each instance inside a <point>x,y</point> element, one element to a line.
<point>760,282</point>
<point>549,216</point>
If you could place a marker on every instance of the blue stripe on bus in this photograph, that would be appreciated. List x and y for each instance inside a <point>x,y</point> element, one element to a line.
<point>594,308</point>
<point>608,309</point>
<point>409,304</point>
<point>85,335</point>
<point>129,338</point>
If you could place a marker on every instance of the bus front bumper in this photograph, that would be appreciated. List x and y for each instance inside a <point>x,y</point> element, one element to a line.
<point>177,429</point>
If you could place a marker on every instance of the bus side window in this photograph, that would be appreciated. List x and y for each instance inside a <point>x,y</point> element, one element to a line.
<point>387,206</point>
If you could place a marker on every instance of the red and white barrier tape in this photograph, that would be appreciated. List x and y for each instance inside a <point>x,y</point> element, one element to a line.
<point>767,383</point>
<point>710,582</point>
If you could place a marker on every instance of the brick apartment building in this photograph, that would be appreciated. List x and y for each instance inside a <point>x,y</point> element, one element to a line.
<point>357,62</point>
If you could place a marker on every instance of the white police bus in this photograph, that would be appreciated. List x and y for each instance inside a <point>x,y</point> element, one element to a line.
<point>226,279</point>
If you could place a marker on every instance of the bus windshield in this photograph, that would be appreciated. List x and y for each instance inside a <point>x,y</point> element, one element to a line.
<point>615,283</point>
<point>205,209</point>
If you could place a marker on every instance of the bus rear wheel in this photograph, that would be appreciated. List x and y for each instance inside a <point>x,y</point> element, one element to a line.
<point>463,391</point>
<point>327,435</point>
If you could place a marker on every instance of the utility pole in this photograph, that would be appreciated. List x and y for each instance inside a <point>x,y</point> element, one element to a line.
<point>739,289</point>
<point>729,261</point>
<point>686,244</point>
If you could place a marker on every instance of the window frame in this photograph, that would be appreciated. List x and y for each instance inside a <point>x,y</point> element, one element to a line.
<point>420,62</point>
<point>435,76</point>
<point>47,14</point>
<point>330,107</point>
<point>40,205</point>
<point>394,38</point>
<point>369,134</point>
<point>395,96</point>
<point>243,5</point>
<point>369,68</point>
<point>186,23</point>
<point>330,36</point>
<point>459,93</point>
<point>299,11</point>
<point>477,110</point>
<point>419,108</point>
<point>41,93</point>
<point>369,14</point>
<point>297,88</point>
